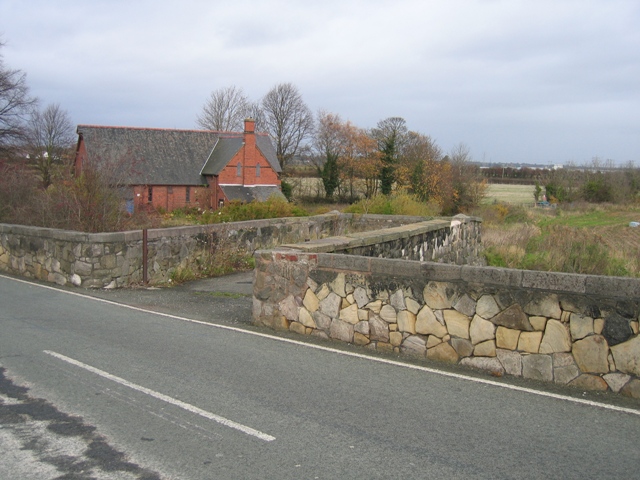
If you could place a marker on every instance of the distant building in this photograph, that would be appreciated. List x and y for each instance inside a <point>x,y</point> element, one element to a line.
<point>171,169</point>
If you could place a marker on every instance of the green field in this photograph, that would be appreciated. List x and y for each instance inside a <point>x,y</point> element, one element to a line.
<point>512,194</point>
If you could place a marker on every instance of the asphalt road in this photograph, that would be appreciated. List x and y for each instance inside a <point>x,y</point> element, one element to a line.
<point>91,389</point>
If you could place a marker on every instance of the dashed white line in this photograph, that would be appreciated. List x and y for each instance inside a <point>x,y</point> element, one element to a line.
<point>165,398</point>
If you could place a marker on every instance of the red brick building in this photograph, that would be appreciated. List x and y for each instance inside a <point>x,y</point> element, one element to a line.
<point>170,169</point>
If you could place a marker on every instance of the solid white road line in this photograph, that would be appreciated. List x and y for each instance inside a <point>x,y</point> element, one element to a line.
<point>459,376</point>
<point>165,398</point>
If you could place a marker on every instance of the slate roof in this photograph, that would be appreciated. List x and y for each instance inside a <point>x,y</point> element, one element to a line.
<point>167,157</point>
<point>228,146</point>
<point>259,193</point>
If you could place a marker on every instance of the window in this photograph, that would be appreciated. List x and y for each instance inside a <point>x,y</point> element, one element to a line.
<point>221,203</point>
<point>187,195</point>
<point>150,195</point>
<point>239,170</point>
<point>257,170</point>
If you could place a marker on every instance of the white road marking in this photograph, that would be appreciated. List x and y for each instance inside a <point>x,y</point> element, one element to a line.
<point>443,373</point>
<point>165,398</point>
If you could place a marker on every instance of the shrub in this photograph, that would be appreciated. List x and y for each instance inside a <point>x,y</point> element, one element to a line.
<point>400,204</point>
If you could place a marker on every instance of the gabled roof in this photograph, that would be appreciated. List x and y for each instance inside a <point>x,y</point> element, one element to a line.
<point>158,156</point>
<point>228,145</point>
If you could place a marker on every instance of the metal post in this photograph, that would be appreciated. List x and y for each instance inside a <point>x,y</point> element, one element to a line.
<point>145,280</point>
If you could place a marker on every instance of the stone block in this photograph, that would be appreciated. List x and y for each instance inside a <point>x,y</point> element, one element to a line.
<point>360,339</point>
<point>397,300</point>
<point>350,314</point>
<point>465,305</point>
<point>589,382</point>
<point>457,324</point>
<point>486,307</point>
<point>538,323</point>
<point>544,306</point>
<point>507,338</point>
<point>617,329</point>
<point>289,308</point>
<point>311,301</point>
<point>414,345</point>
<point>627,356</point>
<point>432,341</point>
<point>537,367</point>
<point>428,324</point>
<point>492,275</point>
<point>338,285</point>
<point>379,329</point>
<point>297,328</point>
<point>616,381</point>
<point>511,361</point>
<point>360,296</point>
<point>395,338</point>
<point>443,353</point>
<point>564,375</point>
<point>556,338</point>
<point>591,354</point>
<point>613,287</point>
<point>485,349</point>
<point>412,305</point>
<point>463,347</point>
<point>514,318</point>
<point>439,295</point>
<point>388,314</point>
<point>481,330</point>
<point>631,389</point>
<point>490,365</point>
<point>330,306</point>
<point>581,326</point>
<point>362,327</point>
<point>341,331</point>
<point>406,322</point>
<point>440,271</point>
<point>566,282</point>
<point>322,321</point>
<point>530,342</point>
<point>375,307</point>
<point>305,318</point>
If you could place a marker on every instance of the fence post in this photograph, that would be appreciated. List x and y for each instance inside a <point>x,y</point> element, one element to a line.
<point>145,280</point>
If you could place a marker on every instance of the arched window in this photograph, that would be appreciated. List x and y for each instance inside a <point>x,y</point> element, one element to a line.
<point>257,170</point>
<point>239,170</point>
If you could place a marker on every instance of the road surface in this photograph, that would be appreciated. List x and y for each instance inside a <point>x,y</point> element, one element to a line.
<point>92,389</point>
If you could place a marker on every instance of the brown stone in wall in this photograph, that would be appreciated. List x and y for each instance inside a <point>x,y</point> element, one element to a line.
<point>514,318</point>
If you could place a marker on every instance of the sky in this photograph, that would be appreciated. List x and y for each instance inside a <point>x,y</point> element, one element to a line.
<point>516,81</point>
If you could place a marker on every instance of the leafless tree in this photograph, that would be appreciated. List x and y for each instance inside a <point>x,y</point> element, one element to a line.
<point>225,110</point>
<point>15,104</point>
<point>51,137</point>
<point>287,119</point>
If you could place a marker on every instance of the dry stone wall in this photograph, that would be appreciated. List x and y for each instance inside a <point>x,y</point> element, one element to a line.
<point>575,330</point>
<point>115,259</point>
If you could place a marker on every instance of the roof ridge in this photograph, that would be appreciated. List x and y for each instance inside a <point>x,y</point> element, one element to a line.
<point>157,129</point>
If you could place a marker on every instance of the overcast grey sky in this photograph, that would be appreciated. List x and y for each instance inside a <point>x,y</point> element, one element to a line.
<point>544,81</point>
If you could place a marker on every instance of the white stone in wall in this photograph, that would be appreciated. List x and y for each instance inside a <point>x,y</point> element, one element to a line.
<point>616,381</point>
<point>415,345</point>
<point>331,305</point>
<point>511,361</point>
<point>362,327</point>
<point>76,280</point>
<point>406,321</point>
<point>350,314</point>
<point>591,354</point>
<point>581,326</point>
<point>627,356</point>
<point>341,331</point>
<point>487,307</point>
<point>361,297</point>
<point>435,295</point>
<point>537,367</point>
<point>379,329</point>
<point>481,330</point>
<point>428,324</point>
<point>388,314</point>
<point>491,365</point>
<point>530,342</point>
<point>556,338</point>
<point>397,300</point>
<point>457,323</point>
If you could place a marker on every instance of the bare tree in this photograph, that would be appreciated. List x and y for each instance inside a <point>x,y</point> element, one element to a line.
<point>15,104</point>
<point>287,119</point>
<point>51,137</point>
<point>225,110</point>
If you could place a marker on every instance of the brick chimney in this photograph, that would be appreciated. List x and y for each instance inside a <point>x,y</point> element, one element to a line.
<point>249,125</point>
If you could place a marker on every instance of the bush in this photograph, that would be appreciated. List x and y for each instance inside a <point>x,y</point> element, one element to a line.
<point>400,204</point>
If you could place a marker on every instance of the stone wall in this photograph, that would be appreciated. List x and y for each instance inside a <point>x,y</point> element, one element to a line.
<point>115,259</point>
<point>573,330</point>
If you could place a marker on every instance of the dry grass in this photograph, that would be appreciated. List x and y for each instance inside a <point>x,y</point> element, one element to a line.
<point>511,194</point>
